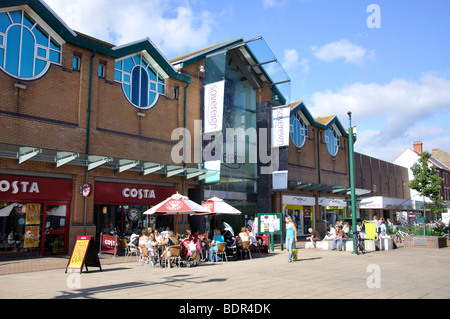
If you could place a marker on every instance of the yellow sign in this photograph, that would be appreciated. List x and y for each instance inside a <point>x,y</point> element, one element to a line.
<point>79,252</point>
<point>31,238</point>
<point>370,230</point>
<point>33,214</point>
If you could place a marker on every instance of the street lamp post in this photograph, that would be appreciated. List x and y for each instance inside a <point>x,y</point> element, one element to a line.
<point>351,161</point>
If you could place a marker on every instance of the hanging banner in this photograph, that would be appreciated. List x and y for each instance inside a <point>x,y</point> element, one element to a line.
<point>84,254</point>
<point>33,214</point>
<point>280,127</point>
<point>213,114</point>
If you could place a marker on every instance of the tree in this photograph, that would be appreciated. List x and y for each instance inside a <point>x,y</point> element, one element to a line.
<point>427,182</point>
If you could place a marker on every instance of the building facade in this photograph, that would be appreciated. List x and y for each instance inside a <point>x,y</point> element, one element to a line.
<point>86,145</point>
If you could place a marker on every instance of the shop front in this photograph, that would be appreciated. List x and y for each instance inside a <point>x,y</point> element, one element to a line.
<point>333,209</point>
<point>119,207</point>
<point>301,210</point>
<point>34,214</point>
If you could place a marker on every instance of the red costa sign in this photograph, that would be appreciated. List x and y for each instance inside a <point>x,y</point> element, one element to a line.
<point>109,244</point>
<point>17,187</point>
<point>122,193</point>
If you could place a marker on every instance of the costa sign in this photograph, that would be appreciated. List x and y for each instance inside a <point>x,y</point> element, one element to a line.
<point>18,187</point>
<point>122,193</point>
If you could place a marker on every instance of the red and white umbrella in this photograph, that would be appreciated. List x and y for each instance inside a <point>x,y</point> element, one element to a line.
<point>219,206</point>
<point>177,205</point>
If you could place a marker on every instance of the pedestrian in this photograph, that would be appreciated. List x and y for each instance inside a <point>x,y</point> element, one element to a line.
<point>291,236</point>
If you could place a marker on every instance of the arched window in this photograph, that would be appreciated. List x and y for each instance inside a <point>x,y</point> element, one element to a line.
<point>141,83</point>
<point>298,130</point>
<point>26,49</point>
<point>332,141</point>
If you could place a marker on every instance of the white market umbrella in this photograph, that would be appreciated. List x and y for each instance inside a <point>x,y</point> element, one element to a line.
<point>5,211</point>
<point>175,205</point>
<point>219,206</point>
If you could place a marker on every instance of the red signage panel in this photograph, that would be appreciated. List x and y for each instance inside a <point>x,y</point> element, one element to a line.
<point>20,187</point>
<point>134,194</point>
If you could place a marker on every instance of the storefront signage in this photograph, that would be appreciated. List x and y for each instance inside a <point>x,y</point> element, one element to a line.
<point>213,116</point>
<point>109,244</point>
<point>83,254</point>
<point>332,202</point>
<point>299,200</point>
<point>86,189</point>
<point>280,127</point>
<point>18,187</point>
<point>121,193</point>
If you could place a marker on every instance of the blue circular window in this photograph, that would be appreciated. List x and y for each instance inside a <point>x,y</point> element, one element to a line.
<point>26,49</point>
<point>298,130</point>
<point>141,83</point>
<point>332,141</point>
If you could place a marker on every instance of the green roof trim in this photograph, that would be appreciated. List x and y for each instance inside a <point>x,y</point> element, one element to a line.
<point>302,107</point>
<point>59,26</point>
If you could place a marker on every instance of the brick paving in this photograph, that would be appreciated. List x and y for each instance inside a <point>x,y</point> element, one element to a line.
<point>403,273</point>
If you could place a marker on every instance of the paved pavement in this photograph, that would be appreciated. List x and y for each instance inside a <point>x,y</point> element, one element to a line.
<point>406,273</point>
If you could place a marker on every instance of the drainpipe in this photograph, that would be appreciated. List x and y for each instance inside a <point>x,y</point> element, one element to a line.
<point>318,154</point>
<point>87,136</point>
<point>184,139</point>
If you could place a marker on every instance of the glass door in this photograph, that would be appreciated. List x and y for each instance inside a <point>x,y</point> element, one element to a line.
<point>55,230</point>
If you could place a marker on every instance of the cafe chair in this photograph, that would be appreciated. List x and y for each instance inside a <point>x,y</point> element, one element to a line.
<point>221,251</point>
<point>122,247</point>
<point>132,250</point>
<point>143,256</point>
<point>174,254</point>
<point>246,249</point>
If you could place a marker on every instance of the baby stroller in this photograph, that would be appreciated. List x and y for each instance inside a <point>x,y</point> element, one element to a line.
<point>190,252</point>
<point>230,239</point>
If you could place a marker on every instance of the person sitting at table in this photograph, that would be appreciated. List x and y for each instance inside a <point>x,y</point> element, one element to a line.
<point>152,246</point>
<point>170,240</point>
<point>134,240</point>
<point>218,238</point>
<point>253,240</point>
<point>144,238</point>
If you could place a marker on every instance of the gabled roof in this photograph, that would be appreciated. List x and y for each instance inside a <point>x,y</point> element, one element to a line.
<point>321,122</point>
<point>199,55</point>
<point>90,43</point>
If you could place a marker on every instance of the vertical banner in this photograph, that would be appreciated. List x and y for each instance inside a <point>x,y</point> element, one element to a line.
<point>280,127</point>
<point>33,214</point>
<point>213,113</point>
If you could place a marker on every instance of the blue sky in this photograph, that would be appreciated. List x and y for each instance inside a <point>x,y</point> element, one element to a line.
<point>395,79</point>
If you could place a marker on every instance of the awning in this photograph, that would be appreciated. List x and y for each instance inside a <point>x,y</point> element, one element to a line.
<point>63,157</point>
<point>323,188</point>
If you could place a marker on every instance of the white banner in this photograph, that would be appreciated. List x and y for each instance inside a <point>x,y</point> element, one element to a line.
<point>280,127</point>
<point>214,97</point>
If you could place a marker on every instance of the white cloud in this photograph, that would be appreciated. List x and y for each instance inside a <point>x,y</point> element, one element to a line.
<point>291,61</point>
<point>174,27</point>
<point>342,49</point>
<point>398,110</point>
<point>272,3</point>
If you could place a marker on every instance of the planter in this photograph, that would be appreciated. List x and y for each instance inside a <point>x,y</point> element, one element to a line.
<point>426,242</point>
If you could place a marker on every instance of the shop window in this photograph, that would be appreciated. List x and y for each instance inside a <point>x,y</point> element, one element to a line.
<point>26,49</point>
<point>20,227</point>
<point>141,83</point>
<point>298,130</point>
<point>332,141</point>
